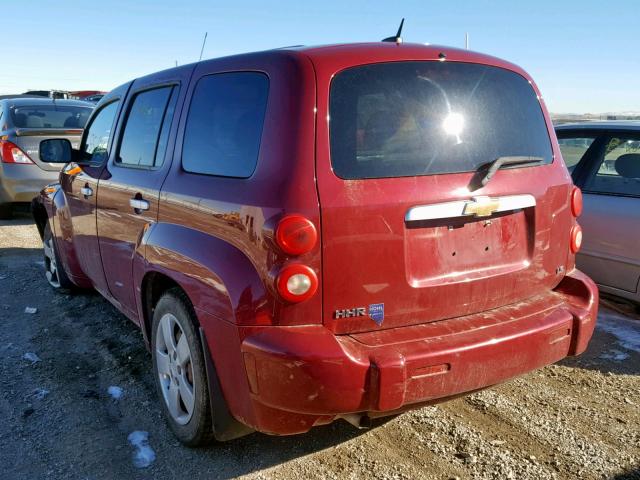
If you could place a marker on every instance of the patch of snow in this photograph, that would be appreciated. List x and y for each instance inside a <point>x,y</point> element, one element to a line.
<point>115,392</point>
<point>615,355</point>
<point>40,393</point>
<point>144,455</point>
<point>31,357</point>
<point>626,331</point>
<point>30,310</point>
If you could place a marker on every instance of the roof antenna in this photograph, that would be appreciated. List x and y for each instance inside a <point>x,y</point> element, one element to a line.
<point>203,42</point>
<point>397,39</point>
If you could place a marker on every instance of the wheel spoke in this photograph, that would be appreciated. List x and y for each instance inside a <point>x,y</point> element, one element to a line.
<point>184,354</point>
<point>166,324</point>
<point>162,362</point>
<point>173,400</point>
<point>186,393</point>
<point>48,251</point>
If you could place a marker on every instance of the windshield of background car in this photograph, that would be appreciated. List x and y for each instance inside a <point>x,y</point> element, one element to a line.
<point>50,116</point>
<point>421,118</point>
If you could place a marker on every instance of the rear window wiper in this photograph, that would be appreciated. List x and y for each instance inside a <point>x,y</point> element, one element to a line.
<point>488,170</point>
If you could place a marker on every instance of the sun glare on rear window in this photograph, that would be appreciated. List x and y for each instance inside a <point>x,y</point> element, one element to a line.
<point>421,118</point>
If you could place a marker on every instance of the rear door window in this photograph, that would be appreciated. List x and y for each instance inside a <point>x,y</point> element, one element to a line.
<point>224,124</point>
<point>144,139</point>
<point>422,118</point>
<point>617,172</point>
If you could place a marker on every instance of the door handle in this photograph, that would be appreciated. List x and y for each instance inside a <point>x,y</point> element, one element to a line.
<point>86,191</point>
<point>138,204</point>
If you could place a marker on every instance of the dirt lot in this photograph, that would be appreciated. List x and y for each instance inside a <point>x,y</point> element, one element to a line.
<point>579,419</point>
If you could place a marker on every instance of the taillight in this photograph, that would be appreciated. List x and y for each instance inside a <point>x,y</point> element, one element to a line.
<point>296,235</point>
<point>297,283</point>
<point>11,153</point>
<point>576,238</point>
<point>576,202</point>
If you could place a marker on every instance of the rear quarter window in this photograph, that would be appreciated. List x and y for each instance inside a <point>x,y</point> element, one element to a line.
<point>423,118</point>
<point>224,124</point>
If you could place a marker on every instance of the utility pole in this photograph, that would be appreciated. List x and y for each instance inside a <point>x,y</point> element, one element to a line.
<point>466,41</point>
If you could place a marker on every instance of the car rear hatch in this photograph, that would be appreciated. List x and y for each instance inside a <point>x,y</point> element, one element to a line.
<point>28,139</point>
<point>409,233</point>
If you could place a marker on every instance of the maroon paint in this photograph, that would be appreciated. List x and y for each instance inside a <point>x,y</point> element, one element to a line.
<point>286,367</point>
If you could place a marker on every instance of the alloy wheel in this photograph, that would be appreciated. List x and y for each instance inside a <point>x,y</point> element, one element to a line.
<point>174,369</point>
<point>50,264</point>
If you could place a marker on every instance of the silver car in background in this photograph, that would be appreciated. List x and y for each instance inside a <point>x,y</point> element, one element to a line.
<point>24,122</point>
<point>604,161</point>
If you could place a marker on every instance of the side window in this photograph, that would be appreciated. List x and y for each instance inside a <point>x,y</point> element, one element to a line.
<point>224,124</point>
<point>618,170</point>
<point>573,149</point>
<point>146,131</point>
<point>94,147</point>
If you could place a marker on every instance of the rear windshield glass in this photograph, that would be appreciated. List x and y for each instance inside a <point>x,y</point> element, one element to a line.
<point>50,116</point>
<point>421,118</point>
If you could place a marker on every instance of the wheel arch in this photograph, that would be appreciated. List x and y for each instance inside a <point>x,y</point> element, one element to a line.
<point>153,286</point>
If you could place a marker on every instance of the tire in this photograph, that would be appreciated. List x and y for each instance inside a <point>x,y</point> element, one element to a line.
<point>179,370</point>
<point>54,271</point>
<point>6,212</point>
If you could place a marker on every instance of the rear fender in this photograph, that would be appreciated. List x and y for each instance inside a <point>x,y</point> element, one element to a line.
<point>218,278</point>
<point>225,289</point>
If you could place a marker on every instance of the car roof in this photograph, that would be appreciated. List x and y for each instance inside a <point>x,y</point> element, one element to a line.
<point>370,52</point>
<point>604,125</point>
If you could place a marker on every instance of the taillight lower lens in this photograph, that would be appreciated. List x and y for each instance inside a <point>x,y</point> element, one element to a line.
<point>296,235</point>
<point>576,202</point>
<point>11,153</point>
<point>297,283</point>
<point>576,238</point>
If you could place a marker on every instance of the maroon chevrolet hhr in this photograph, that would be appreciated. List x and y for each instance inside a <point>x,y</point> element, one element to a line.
<point>309,234</point>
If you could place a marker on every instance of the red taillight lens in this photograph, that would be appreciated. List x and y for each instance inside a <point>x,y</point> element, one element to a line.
<point>297,283</point>
<point>576,202</point>
<point>296,235</point>
<point>576,238</point>
<point>11,153</point>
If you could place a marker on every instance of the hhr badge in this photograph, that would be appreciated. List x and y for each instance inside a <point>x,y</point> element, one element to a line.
<point>376,312</point>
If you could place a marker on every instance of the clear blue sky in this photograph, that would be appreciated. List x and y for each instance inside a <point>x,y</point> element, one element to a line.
<point>584,55</point>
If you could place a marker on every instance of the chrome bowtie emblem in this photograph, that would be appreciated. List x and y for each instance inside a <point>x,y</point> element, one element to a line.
<point>481,206</point>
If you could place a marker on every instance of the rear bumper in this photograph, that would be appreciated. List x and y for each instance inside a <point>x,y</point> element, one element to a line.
<point>21,183</point>
<point>310,376</point>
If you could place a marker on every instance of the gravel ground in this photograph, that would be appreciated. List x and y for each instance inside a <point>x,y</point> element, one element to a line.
<point>577,419</point>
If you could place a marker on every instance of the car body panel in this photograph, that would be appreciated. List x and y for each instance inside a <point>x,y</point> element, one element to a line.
<point>78,230</point>
<point>120,227</point>
<point>485,264</point>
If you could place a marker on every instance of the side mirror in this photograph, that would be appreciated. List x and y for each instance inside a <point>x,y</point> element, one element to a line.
<point>56,150</point>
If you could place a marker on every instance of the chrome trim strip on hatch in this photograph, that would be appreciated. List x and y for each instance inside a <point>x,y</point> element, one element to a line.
<point>480,206</point>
